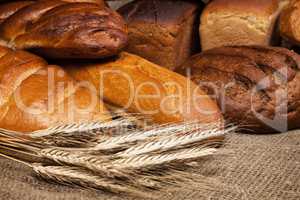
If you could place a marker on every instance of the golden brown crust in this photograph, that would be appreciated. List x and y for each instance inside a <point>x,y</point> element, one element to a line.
<point>34,95</point>
<point>10,8</point>
<point>144,87</point>
<point>60,29</point>
<point>99,2</point>
<point>235,22</point>
<point>290,23</point>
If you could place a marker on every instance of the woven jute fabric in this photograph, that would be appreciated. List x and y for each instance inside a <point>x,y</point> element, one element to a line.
<point>252,167</point>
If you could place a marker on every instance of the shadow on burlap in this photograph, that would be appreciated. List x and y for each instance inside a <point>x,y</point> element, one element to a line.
<point>257,167</point>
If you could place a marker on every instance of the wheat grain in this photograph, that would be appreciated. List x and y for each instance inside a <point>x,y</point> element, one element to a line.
<point>83,134</point>
<point>145,161</point>
<point>169,143</point>
<point>78,176</point>
<point>163,131</point>
<point>95,163</point>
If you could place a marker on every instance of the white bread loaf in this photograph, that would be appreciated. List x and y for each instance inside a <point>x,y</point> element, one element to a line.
<point>238,22</point>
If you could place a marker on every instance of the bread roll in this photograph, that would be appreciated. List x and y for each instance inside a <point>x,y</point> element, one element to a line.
<point>236,22</point>
<point>35,95</point>
<point>258,87</point>
<point>290,23</point>
<point>59,29</point>
<point>163,32</point>
<point>140,86</point>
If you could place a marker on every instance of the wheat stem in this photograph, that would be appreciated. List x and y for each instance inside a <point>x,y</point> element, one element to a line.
<point>15,159</point>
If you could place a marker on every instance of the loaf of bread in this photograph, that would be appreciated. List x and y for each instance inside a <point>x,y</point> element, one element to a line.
<point>258,87</point>
<point>35,95</point>
<point>236,22</point>
<point>290,23</point>
<point>163,32</point>
<point>60,29</point>
<point>140,86</point>
<point>100,2</point>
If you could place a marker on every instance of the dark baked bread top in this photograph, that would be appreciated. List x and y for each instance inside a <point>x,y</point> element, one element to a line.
<point>63,29</point>
<point>249,81</point>
<point>6,10</point>
<point>156,11</point>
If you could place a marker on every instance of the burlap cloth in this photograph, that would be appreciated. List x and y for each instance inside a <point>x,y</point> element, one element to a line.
<point>258,167</point>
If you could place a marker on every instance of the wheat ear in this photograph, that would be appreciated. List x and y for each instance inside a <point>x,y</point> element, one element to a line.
<point>78,176</point>
<point>83,134</point>
<point>145,161</point>
<point>99,165</point>
<point>162,131</point>
<point>172,142</point>
<point>76,128</point>
<point>95,163</point>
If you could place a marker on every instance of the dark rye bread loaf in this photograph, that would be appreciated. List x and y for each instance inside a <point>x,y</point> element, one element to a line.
<point>164,32</point>
<point>255,86</point>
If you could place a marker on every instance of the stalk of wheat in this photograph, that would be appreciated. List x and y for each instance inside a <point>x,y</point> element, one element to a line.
<point>138,159</point>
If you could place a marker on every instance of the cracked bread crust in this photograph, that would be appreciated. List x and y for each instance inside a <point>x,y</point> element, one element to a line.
<point>255,86</point>
<point>235,22</point>
<point>164,32</point>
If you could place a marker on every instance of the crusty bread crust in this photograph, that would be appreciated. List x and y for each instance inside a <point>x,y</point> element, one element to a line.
<point>9,9</point>
<point>143,87</point>
<point>35,95</point>
<point>290,23</point>
<point>163,32</point>
<point>235,22</point>
<point>252,84</point>
<point>60,29</point>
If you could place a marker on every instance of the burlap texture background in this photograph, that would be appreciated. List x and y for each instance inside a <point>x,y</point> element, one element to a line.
<point>258,167</point>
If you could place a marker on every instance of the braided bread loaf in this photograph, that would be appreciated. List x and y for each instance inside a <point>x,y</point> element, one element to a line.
<point>59,29</point>
<point>35,95</point>
<point>255,86</point>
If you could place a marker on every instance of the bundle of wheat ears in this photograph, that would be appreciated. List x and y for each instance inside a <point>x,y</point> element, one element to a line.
<point>118,156</point>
